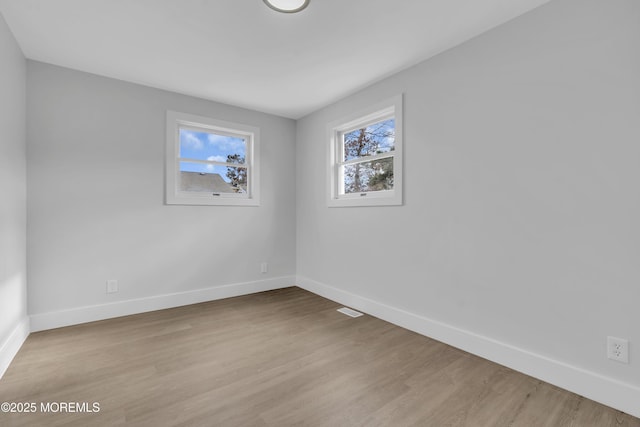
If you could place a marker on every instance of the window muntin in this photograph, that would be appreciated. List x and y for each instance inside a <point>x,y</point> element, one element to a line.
<point>210,162</point>
<point>366,157</point>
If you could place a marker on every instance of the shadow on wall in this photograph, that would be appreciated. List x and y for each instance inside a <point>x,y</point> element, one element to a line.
<point>12,301</point>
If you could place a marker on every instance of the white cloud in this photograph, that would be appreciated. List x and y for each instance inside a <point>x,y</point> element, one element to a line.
<point>210,168</point>
<point>226,143</point>
<point>191,141</point>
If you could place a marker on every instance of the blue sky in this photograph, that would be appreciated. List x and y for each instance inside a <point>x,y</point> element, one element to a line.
<point>208,146</point>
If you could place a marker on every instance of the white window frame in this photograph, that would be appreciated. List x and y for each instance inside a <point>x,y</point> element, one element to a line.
<point>251,134</point>
<point>391,108</point>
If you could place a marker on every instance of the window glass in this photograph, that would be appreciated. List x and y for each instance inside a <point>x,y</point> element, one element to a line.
<point>365,166</point>
<point>376,138</point>
<point>211,162</point>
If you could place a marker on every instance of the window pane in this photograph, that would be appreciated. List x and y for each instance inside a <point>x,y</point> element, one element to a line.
<point>212,147</point>
<point>362,177</point>
<point>206,178</point>
<point>367,141</point>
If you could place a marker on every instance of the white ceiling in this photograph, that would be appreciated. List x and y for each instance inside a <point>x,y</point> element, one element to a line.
<point>242,53</point>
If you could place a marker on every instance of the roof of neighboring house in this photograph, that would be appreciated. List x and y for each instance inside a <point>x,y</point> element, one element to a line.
<point>204,182</point>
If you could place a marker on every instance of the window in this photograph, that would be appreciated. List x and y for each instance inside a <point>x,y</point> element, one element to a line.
<point>366,157</point>
<point>211,162</point>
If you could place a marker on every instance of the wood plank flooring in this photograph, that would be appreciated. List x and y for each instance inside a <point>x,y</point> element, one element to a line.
<point>279,358</point>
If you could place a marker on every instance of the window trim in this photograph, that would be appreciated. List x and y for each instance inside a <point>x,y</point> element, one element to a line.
<point>390,108</point>
<point>173,196</point>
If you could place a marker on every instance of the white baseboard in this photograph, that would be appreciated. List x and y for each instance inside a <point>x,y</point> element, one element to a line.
<point>74,316</point>
<point>10,347</point>
<point>608,391</point>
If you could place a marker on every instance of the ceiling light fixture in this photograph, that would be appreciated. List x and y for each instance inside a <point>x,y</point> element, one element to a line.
<point>287,6</point>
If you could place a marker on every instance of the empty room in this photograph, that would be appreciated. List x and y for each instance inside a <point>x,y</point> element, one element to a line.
<point>319,213</point>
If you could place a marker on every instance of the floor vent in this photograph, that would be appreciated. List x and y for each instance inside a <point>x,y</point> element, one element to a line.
<point>349,312</point>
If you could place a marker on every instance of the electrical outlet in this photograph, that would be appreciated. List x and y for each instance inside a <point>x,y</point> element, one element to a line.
<point>264,267</point>
<point>112,286</point>
<point>618,349</point>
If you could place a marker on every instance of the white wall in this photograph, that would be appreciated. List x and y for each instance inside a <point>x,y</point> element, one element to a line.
<point>13,287</point>
<point>95,209</point>
<point>519,238</point>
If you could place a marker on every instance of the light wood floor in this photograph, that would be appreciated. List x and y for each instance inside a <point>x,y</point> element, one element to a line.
<point>279,358</point>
